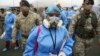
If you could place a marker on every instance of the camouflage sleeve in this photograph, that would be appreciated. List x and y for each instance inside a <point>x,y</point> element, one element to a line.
<point>73,22</point>
<point>15,29</point>
<point>94,21</point>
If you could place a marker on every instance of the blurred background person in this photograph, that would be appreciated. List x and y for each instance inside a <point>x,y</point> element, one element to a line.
<point>2,15</point>
<point>26,20</point>
<point>8,26</point>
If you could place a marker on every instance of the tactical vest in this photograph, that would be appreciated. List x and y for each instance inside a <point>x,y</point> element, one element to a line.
<point>81,30</point>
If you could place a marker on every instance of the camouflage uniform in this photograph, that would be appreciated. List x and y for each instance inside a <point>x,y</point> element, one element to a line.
<point>84,27</point>
<point>24,24</point>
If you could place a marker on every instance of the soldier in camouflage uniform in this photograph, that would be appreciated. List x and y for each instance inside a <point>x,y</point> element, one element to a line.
<point>84,25</point>
<point>25,22</point>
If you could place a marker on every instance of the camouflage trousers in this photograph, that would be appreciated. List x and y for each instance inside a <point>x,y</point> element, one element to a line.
<point>81,46</point>
<point>23,42</point>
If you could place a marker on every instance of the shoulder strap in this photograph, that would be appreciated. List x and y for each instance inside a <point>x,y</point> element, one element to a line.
<point>39,30</point>
<point>36,42</point>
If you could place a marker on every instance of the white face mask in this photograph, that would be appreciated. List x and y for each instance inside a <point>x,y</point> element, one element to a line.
<point>8,12</point>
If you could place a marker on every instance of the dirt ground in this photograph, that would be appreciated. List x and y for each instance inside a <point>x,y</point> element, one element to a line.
<point>11,52</point>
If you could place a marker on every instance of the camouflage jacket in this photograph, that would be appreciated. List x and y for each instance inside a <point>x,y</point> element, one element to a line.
<point>84,26</point>
<point>25,24</point>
